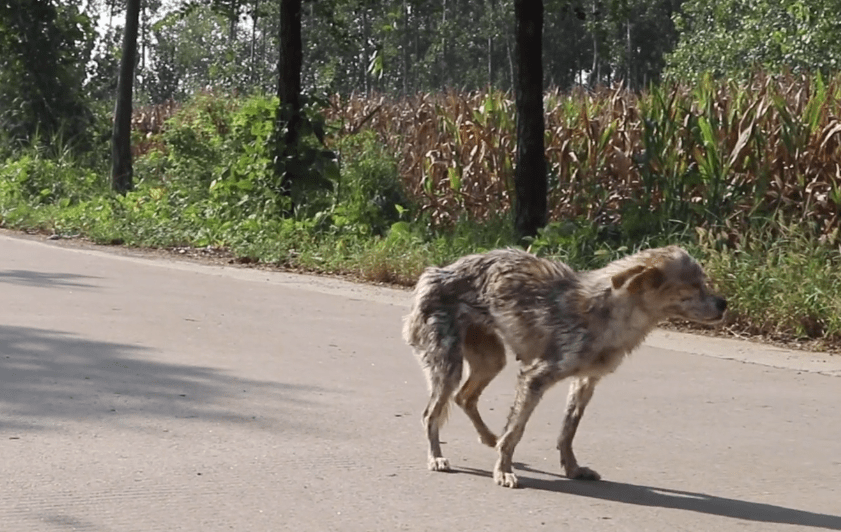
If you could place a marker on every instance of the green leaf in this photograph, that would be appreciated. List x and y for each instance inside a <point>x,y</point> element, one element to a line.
<point>400,229</point>
<point>455,178</point>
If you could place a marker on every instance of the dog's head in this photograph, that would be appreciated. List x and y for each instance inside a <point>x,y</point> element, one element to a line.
<point>670,283</point>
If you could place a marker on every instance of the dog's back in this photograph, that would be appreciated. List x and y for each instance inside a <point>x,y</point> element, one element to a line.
<point>483,290</point>
<point>443,294</point>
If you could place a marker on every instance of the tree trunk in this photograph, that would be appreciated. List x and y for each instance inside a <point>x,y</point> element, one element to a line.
<point>288,118</point>
<point>366,52</point>
<point>252,58</point>
<point>264,38</point>
<point>143,23</point>
<point>530,182</point>
<point>232,29</point>
<point>416,31</point>
<point>121,170</point>
<point>445,78</point>
<point>512,77</point>
<point>491,31</point>
<point>629,75</point>
<point>595,71</point>
<point>405,50</point>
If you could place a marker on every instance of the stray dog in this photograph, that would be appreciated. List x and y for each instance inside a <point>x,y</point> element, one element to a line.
<point>557,322</point>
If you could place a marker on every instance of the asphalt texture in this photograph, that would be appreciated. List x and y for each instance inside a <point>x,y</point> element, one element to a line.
<point>141,394</point>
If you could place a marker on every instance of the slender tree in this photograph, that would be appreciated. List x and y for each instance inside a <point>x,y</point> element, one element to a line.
<point>530,182</point>
<point>121,170</point>
<point>288,120</point>
<point>491,31</point>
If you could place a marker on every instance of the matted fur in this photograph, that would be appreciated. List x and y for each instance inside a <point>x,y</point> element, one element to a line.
<point>558,323</point>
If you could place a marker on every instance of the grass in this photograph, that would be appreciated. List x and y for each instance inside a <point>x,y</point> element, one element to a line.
<point>782,287</point>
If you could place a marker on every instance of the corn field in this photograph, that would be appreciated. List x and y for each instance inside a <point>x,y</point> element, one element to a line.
<point>715,154</point>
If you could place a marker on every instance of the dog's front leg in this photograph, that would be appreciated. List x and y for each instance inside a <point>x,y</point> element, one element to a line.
<point>580,392</point>
<point>532,382</point>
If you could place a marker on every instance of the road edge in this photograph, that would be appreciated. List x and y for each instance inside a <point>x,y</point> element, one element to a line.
<point>745,351</point>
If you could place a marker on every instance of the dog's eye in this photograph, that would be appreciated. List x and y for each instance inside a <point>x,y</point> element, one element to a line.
<point>689,295</point>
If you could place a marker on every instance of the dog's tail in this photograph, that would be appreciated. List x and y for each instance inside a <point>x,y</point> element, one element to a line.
<point>431,328</point>
<point>430,320</point>
<point>415,326</point>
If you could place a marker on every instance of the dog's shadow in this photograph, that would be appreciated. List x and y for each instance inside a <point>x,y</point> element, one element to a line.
<point>670,498</point>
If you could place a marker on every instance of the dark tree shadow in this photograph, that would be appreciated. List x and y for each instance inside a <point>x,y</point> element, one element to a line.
<point>45,279</point>
<point>669,498</point>
<point>51,375</point>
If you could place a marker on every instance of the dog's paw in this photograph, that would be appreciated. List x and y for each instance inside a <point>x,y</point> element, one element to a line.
<point>583,473</point>
<point>438,464</point>
<point>488,439</point>
<point>506,480</point>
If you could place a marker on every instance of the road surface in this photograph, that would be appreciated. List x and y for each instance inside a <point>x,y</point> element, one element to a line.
<point>143,394</point>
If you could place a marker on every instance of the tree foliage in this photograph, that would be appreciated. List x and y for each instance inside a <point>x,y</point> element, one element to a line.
<point>44,47</point>
<point>399,46</point>
<point>193,50</point>
<point>731,37</point>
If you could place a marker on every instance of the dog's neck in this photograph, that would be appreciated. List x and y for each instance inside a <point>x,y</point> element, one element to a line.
<point>616,321</point>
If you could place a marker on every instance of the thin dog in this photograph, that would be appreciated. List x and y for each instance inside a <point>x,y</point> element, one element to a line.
<point>558,323</point>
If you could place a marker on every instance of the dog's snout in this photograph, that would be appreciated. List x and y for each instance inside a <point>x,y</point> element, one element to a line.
<point>721,304</point>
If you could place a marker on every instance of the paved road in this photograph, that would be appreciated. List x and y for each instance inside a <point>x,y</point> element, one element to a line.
<point>144,395</point>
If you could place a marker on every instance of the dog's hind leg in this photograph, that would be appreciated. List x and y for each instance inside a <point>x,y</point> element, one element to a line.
<point>485,357</point>
<point>532,383</point>
<point>443,381</point>
<point>580,392</point>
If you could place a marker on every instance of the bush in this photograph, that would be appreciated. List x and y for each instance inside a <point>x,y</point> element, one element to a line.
<point>37,180</point>
<point>780,286</point>
<point>369,196</point>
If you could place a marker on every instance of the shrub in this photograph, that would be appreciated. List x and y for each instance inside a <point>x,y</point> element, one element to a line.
<point>368,197</point>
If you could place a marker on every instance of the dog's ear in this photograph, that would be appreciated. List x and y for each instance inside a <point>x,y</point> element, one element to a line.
<point>622,277</point>
<point>650,278</point>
